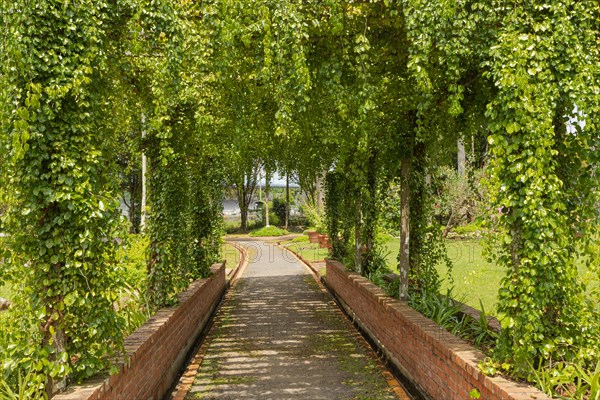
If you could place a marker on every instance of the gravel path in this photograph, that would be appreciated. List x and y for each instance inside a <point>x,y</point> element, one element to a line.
<point>279,336</point>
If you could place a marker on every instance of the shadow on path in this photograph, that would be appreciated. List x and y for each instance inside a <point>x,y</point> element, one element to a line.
<point>278,336</point>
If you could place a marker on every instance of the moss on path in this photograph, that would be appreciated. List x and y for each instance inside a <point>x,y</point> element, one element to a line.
<point>278,336</point>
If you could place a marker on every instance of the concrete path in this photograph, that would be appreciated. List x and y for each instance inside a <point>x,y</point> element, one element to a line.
<point>278,335</point>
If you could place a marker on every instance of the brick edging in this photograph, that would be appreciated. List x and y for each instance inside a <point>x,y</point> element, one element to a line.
<point>443,366</point>
<point>242,264</point>
<point>156,352</point>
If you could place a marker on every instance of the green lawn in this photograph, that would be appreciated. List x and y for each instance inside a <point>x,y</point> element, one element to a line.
<point>473,278</point>
<point>230,254</point>
<point>309,251</point>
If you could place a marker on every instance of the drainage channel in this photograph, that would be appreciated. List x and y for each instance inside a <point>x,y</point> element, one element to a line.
<point>279,334</point>
<point>410,388</point>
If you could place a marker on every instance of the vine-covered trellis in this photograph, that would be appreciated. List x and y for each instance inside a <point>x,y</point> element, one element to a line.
<point>363,93</point>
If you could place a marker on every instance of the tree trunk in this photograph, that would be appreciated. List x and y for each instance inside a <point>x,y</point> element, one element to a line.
<point>370,213</point>
<point>132,200</point>
<point>267,190</point>
<point>461,158</point>
<point>143,200</point>
<point>245,191</point>
<point>58,340</point>
<point>287,200</point>
<point>244,216</point>
<point>357,238</point>
<point>320,192</point>
<point>404,228</point>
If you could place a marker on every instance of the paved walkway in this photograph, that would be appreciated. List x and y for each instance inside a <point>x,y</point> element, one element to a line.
<point>279,336</point>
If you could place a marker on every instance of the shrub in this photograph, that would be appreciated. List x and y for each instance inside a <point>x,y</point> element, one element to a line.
<point>279,209</point>
<point>274,219</point>
<point>315,216</point>
<point>133,260</point>
<point>231,226</point>
<point>468,229</point>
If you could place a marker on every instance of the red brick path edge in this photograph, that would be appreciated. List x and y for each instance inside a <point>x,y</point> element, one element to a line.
<point>441,365</point>
<point>156,352</point>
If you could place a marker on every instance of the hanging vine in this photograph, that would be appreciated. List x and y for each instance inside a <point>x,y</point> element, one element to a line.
<point>64,226</point>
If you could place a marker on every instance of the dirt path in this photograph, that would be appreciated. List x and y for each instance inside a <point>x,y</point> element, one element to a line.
<point>279,336</point>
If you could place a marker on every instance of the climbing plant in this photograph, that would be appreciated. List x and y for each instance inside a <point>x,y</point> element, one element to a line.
<point>544,177</point>
<point>185,171</point>
<point>64,226</point>
<point>357,93</point>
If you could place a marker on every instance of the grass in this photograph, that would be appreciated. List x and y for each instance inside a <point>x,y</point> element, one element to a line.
<point>473,278</point>
<point>230,254</point>
<point>309,251</point>
<point>268,231</point>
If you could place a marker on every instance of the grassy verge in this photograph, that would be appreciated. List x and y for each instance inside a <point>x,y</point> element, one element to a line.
<point>230,254</point>
<point>473,278</point>
<point>309,251</point>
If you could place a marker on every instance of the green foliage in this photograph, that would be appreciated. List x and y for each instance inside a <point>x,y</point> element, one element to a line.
<point>427,245</point>
<point>467,230</point>
<point>443,310</point>
<point>186,168</point>
<point>300,239</point>
<point>278,209</point>
<point>64,223</point>
<point>564,380</point>
<point>336,218</point>
<point>314,216</point>
<point>273,218</point>
<point>269,231</point>
<point>26,388</point>
<point>134,307</point>
<point>541,181</point>
<point>132,258</point>
<point>343,89</point>
<point>459,198</point>
<point>231,227</point>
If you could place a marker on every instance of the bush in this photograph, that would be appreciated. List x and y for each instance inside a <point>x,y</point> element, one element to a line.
<point>279,209</point>
<point>133,261</point>
<point>459,198</point>
<point>231,226</point>
<point>468,229</point>
<point>315,216</point>
<point>274,219</point>
<point>269,231</point>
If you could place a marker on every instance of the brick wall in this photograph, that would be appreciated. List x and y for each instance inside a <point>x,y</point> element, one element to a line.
<point>438,363</point>
<point>157,351</point>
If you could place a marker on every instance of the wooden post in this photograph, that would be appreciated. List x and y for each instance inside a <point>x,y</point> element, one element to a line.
<point>404,228</point>
<point>357,238</point>
<point>461,158</point>
<point>287,200</point>
<point>143,201</point>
